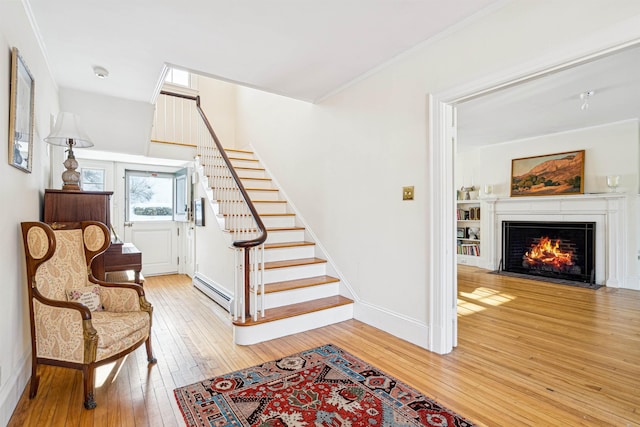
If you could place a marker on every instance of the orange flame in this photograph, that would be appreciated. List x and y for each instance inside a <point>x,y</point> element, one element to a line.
<point>546,252</point>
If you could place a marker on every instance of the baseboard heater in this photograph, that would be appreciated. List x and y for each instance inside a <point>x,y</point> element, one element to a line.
<point>213,291</point>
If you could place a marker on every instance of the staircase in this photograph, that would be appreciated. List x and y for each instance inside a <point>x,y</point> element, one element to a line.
<point>299,294</point>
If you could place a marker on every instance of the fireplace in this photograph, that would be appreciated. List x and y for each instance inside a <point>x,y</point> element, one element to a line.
<point>557,250</point>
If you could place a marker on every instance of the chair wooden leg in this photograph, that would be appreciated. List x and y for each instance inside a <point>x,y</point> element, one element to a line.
<point>150,357</point>
<point>88,375</point>
<point>35,380</point>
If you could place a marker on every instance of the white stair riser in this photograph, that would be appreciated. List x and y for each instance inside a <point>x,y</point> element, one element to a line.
<point>247,335</point>
<point>268,221</point>
<point>237,163</point>
<point>251,173</point>
<point>294,273</point>
<point>270,208</point>
<point>294,296</point>
<point>240,154</point>
<point>244,222</point>
<point>281,254</point>
<point>263,195</point>
<point>285,236</point>
<point>279,221</point>
<point>256,183</point>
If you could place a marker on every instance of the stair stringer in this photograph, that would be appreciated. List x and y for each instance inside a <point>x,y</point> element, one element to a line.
<point>205,187</point>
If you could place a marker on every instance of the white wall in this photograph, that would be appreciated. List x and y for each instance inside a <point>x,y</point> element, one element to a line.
<point>344,160</point>
<point>612,149</point>
<point>218,101</point>
<point>22,194</point>
<point>214,256</point>
<point>113,124</point>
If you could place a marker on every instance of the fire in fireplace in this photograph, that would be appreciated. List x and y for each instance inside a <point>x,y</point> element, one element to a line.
<point>547,254</point>
<point>561,250</point>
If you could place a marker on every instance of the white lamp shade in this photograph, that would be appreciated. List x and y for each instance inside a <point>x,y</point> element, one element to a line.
<point>68,127</point>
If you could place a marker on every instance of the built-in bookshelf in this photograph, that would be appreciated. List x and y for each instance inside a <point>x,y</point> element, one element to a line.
<point>468,236</point>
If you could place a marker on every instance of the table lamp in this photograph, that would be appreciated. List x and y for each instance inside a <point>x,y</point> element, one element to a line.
<point>67,132</point>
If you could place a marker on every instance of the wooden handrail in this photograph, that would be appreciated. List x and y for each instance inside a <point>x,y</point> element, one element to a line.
<point>247,245</point>
<point>261,228</point>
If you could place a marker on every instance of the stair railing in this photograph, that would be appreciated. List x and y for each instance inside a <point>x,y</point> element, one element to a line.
<point>241,217</point>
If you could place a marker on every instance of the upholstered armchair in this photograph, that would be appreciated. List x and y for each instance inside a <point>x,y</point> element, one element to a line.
<point>78,321</point>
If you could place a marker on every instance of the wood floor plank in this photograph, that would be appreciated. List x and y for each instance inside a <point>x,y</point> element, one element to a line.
<point>529,353</point>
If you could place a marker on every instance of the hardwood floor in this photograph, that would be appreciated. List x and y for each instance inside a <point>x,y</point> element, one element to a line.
<point>529,353</point>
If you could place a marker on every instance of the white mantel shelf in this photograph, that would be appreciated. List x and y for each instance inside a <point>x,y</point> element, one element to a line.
<point>607,210</point>
<point>555,199</point>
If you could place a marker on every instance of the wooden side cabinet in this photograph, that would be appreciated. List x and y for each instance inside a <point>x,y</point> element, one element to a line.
<point>74,206</point>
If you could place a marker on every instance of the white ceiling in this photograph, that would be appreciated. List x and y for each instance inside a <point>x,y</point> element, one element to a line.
<point>552,103</point>
<point>303,49</point>
<point>308,49</point>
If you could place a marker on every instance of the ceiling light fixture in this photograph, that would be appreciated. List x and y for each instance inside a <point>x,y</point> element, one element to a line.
<point>584,97</point>
<point>101,72</point>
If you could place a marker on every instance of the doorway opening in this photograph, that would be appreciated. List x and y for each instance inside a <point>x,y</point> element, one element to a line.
<point>442,165</point>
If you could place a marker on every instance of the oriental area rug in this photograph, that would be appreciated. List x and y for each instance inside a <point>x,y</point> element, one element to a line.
<point>323,386</point>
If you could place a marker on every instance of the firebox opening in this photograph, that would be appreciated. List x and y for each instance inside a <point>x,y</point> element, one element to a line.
<point>559,250</point>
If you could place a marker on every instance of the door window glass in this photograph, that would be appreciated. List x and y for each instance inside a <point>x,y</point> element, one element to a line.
<point>149,196</point>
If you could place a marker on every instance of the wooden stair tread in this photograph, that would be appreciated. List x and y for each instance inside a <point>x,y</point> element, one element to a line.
<point>254,201</point>
<point>293,263</point>
<point>243,159</point>
<point>261,215</point>
<point>285,229</point>
<point>293,310</point>
<point>248,168</point>
<point>246,188</point>
<point>256,179</point>
<point>288,285</point>
<point>236,150</point>
<point>287,245</point>
<point>269,230</point>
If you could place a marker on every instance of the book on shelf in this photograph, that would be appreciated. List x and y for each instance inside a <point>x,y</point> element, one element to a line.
<point>472,214</point>
<point>472,249</point>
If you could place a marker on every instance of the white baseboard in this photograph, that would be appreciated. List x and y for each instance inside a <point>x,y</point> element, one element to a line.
<point>13,384</point>
<point>402,327</point>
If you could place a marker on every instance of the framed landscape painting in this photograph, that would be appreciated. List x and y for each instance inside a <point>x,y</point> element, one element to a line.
<point>558,174</point>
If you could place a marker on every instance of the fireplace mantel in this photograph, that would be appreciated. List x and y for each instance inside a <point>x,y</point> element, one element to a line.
<point>607,210</point>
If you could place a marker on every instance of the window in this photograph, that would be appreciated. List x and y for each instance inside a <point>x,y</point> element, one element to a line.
<point>149,196</point>
<point>178,77</point>
<point>92,179</point>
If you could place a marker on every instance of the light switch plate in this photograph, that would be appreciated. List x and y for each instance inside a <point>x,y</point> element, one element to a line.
<point>407,193</point>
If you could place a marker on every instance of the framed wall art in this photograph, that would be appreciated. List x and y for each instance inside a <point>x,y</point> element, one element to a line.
<point>21,114</point>
<point>549,175</point>
<point>198,211</point>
